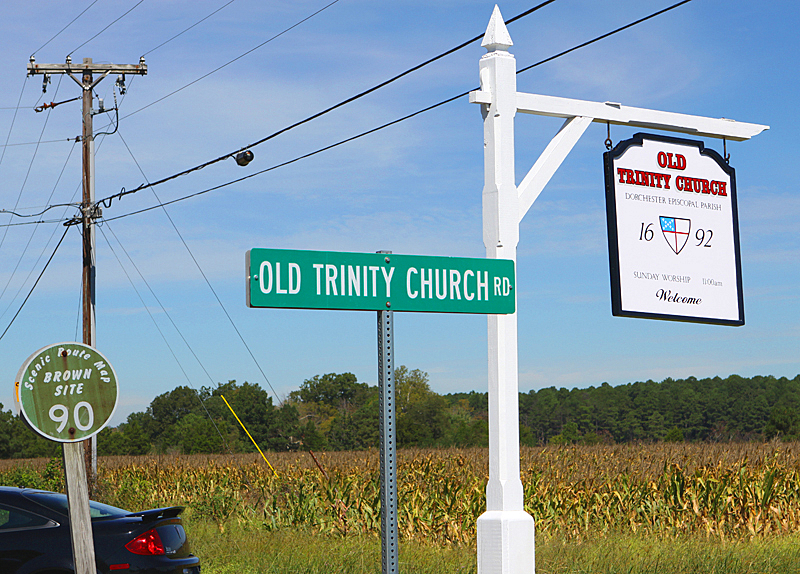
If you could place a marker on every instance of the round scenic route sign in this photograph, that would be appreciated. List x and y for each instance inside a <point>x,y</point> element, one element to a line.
<point>67,392</point>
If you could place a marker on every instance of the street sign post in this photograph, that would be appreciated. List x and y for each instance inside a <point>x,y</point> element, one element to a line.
<point>673,232</point>
<point>378,282</point>
<point>382,282</point>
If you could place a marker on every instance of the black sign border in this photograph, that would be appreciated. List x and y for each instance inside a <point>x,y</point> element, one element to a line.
<point>613,239</point>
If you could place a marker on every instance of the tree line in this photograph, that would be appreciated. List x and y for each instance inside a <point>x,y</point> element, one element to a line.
<point>337,412</point>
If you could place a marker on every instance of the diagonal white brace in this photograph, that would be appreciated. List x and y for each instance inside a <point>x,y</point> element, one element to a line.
<point>551,158</point>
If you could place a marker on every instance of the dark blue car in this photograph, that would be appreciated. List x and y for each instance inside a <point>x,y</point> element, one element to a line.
<point>35,537</point>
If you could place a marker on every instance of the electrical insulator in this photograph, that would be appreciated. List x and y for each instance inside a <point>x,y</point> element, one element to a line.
<point>121,84</point>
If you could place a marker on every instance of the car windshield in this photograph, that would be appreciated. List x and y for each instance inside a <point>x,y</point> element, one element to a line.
<point>58,502</point>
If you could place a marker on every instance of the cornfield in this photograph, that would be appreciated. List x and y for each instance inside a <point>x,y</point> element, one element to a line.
<point>725,491</point>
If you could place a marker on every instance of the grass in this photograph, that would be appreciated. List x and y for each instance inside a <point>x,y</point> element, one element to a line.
<point>244,550</point>
<point>687,555</point>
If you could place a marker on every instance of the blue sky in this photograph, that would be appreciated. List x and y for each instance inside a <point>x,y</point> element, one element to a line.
<point>414,188</point>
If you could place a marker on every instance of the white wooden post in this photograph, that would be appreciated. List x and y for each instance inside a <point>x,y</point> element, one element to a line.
<point>505,530</point>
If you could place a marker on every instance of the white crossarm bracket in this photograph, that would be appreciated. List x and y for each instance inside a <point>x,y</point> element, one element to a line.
<point>617,114</point>
<point>551,158</point>
<point>580,113</point>
<point>620,115</point>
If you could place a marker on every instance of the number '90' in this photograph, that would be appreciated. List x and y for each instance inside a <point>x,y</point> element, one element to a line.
<point>60,414</point>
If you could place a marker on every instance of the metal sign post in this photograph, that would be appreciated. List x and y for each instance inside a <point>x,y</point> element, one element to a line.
<point>388,442</point>
<point>505,530</point>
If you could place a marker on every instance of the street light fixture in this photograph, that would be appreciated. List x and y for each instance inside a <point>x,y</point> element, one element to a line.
<point>244,157</point>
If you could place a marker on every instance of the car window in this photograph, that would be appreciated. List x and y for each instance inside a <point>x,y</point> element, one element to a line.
<point>58,502</point>
<point>13,519</point>
<point>100,510</point>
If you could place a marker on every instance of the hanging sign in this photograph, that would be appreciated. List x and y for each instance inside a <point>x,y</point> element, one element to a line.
<point>378,282</point>
<point>673,232</point>
<point>67,392</point>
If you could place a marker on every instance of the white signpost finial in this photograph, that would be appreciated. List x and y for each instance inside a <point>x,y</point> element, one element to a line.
<point>497,36</point>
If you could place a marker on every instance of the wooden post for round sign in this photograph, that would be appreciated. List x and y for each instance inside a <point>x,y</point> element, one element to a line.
<point>80,521</point>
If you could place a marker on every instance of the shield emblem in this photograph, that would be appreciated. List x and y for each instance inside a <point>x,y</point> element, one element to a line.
<point>676,232</point>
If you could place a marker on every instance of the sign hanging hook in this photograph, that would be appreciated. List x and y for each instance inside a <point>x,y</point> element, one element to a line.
<point>725,155</point>
<point>608,142</point>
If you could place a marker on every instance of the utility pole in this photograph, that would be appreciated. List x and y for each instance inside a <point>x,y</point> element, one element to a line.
<point>83,74</point>
<point>80,458</point>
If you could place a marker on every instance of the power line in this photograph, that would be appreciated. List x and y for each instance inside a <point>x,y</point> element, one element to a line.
<point>13,120</point>
<point>107,201</point>
<point>604,36</point>
<point>62,220</point>
<point>323,112</point>
<point>75,139</point>
<point>51,237</point>
<point>22,188</point>
<point>231,61</point>
<point>205,278</point>
<point>46,209</point>
<point>160,304</point>
<point>65,27</point>
<point>189,28</point>
<point>31,239</point>
<point>46,265</point>
<point>160,332</point>
<point>77,189</point>
<point>291,161</point>
<point>72,203</point>
<point>106,28</point>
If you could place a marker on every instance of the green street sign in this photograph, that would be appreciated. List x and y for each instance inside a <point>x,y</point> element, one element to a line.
<point>67,392</point>
<point>293,279</point>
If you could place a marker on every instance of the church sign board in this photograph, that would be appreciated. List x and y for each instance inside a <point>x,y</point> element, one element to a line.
<point>673,232</point>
